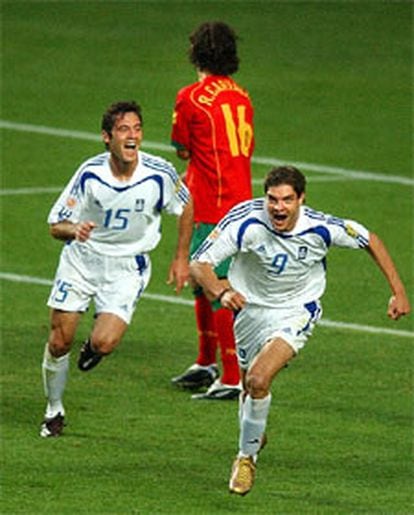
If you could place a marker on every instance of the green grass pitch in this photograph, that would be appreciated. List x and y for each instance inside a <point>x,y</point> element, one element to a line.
<point>331,85</point>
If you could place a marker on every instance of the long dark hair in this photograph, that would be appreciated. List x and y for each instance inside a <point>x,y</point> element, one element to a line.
<point>213,48</point>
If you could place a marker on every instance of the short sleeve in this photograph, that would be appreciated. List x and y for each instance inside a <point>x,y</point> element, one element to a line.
<point>180,134</point>
<point>176,194</point>
<point>220,244</point>
<point>68,205</point>
<point>348,233</point>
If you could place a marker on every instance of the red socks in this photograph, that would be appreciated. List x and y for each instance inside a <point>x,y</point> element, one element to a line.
<point>216,328</point>
<point>223,319</point>
<point>207,336</point>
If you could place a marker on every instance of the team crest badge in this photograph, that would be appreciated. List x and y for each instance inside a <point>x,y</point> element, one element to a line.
<point>302,252</point>
<point>71,202</point>
<point>139,204</point>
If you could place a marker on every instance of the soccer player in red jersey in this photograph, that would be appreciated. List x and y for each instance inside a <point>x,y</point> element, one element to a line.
<point>213,130</point>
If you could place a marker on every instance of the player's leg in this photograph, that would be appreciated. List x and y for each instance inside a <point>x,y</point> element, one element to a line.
<point>106,334</point>
<point>68,298</point>
<point>273,357</point>
<point>55,367</point>
<point>255,410</point>
<point>228,386</point>
<point>206,329</point>
<point>224,323</point>
<point>242,399</point>
<point>124,282</point>
<point>262,363</point>
<point>224,320</point>
<point>266,365</point>
<point>204,370</point>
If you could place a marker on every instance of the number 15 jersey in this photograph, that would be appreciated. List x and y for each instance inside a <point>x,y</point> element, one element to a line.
<point>127,213</point>
<point>213,120</point>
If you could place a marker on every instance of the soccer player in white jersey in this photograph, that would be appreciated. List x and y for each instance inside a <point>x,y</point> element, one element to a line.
<point>277,278</point>
<point>109,216</point>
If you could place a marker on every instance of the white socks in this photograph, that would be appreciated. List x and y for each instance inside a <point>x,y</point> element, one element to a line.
<point>253,417</point>
<point>55,373</point>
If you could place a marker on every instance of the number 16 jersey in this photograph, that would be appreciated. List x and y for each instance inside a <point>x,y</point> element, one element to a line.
<point>213,120</point>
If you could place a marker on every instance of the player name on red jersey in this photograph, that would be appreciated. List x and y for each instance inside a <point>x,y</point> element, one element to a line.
<point>210,91</point>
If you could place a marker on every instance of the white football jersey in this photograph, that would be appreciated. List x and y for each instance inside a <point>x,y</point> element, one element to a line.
<point>127,214</point>
<point>276,269</point>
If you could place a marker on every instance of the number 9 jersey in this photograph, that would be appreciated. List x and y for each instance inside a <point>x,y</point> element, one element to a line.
<point>278,269</point>
<point>213,120</point>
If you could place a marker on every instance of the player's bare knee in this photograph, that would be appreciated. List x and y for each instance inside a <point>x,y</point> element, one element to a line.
<point>103,345</point>
<point>58,347</point>
<point>257,386</point>
<point>58,344</point>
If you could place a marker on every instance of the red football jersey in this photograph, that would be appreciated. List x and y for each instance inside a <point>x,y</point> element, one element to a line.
<point>213,120</point>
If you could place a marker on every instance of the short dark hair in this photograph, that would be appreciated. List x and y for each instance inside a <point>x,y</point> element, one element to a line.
<point>213,48</point>
<point>117,108</point>
<point>286,175</point>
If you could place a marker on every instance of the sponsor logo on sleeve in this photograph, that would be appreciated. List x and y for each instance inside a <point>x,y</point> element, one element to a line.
<point>214,234</point>
<point>351,231</point>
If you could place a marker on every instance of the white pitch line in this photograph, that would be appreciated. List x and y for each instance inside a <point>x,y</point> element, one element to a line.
<point>268,161</point>
<point>176,300</point>
<point>36,190</point>
<point>40,190</point>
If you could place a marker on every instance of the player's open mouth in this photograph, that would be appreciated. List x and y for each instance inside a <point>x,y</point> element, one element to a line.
<point>279,221</point>
<point>131,145</point>
<point>279,218</point>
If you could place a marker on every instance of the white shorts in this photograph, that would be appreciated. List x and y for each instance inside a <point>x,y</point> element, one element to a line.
<point>255,326</point>
<point>115,283</point>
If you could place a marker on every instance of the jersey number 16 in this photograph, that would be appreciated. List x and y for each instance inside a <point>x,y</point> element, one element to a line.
<point>239,132</point>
